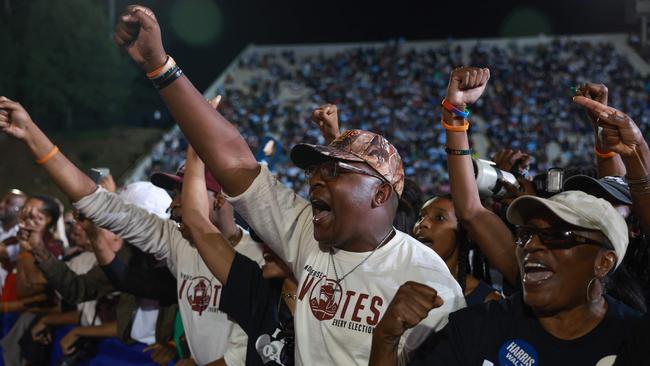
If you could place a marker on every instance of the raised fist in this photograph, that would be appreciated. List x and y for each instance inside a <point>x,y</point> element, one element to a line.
<point>466,85</point>
<point>14,119</point>
<point>597,92</point>
<point>327,119</point>
<point>618,132</point>
<point>139,33</point>
<point>410,306</point>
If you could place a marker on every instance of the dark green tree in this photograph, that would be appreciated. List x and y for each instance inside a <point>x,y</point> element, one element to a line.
<point>61,63</point>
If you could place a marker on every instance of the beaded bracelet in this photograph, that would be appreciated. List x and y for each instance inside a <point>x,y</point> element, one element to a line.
<point>453,128</point>
<point>458,151</point>
<point>452,109</point>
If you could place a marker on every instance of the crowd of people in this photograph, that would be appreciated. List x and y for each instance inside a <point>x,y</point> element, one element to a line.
<point>378,246</point>
<point>396,90</point>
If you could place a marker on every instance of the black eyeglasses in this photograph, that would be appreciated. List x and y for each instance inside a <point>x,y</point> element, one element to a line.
<point>334,168</point>
<point>556,238</point>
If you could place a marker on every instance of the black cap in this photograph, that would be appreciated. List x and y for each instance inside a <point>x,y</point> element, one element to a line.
<point>609,188</point>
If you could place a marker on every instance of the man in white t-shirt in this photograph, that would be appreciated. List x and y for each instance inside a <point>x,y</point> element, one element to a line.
<point>208,330</point>
<point>349,259</point>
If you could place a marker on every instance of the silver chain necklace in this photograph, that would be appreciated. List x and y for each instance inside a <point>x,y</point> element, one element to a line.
<point>381,244</point>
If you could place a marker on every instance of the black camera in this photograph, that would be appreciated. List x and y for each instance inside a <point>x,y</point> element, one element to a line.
<point>549,183</point>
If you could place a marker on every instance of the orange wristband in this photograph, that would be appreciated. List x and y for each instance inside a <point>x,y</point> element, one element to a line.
<point>604,155</point>
<point>452,128</point>
<point>169,63</point>
<point>48,156</point>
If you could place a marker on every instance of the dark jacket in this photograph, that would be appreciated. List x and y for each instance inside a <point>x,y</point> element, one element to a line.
<point>94,284</point>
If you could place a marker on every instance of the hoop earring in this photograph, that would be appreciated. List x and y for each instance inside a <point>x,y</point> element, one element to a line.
<point>591,282</point>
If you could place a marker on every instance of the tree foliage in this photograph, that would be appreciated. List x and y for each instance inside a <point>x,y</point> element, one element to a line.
<point>58,59</point>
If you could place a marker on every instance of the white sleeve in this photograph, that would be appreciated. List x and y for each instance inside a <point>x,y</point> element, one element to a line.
<point>279,216</point>
<point>137,226</point>
<point>237,342</point>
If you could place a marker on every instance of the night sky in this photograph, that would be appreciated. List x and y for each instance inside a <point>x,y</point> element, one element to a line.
<point>280,22</point>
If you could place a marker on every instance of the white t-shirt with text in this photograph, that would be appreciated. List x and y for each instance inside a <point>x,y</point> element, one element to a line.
<point>334,321</point>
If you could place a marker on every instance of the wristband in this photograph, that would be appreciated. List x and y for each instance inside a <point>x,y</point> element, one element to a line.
<point>458,151</point>
<point>160,84</point>
<point>453,128</point>
<point>169,63</point>
<point>604,155</point>
<point>44,159</point>
<point>452,108</point>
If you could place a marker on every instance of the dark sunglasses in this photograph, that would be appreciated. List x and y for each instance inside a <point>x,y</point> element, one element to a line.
<point>334,168</point>
<point>556,238</point>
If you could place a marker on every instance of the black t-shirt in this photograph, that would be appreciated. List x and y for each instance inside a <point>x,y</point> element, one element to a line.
<point>505,333</point>
<point>256,305</point>
<point>636,348</point>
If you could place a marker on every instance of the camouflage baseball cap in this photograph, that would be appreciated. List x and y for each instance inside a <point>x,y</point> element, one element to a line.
<point>356,146</point>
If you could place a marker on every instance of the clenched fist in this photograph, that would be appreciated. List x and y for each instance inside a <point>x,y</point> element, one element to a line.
<point>327,119</point>
<point>410,306</point>
<point>139,33</point>
<point>466,85</point>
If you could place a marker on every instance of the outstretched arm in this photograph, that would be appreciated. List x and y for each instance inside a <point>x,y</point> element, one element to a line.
<point>488,230</point>
<point>16,122</point>
<point>216,141</point>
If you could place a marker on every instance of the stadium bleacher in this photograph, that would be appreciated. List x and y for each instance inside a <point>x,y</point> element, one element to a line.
<point>270,91</point>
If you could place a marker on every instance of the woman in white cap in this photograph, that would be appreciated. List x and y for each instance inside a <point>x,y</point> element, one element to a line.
<point>566,246</point>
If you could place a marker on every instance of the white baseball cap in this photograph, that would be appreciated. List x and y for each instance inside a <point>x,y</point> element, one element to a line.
<point>147,196</point>
<point>579,209</point>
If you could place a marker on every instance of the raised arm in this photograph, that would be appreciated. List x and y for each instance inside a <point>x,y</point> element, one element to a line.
<point>215,250</point>
<point>608,164</point>
<point>621,135</point>
<point>491,234</point>
<point>16,122</point>
<point>216,141</point>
